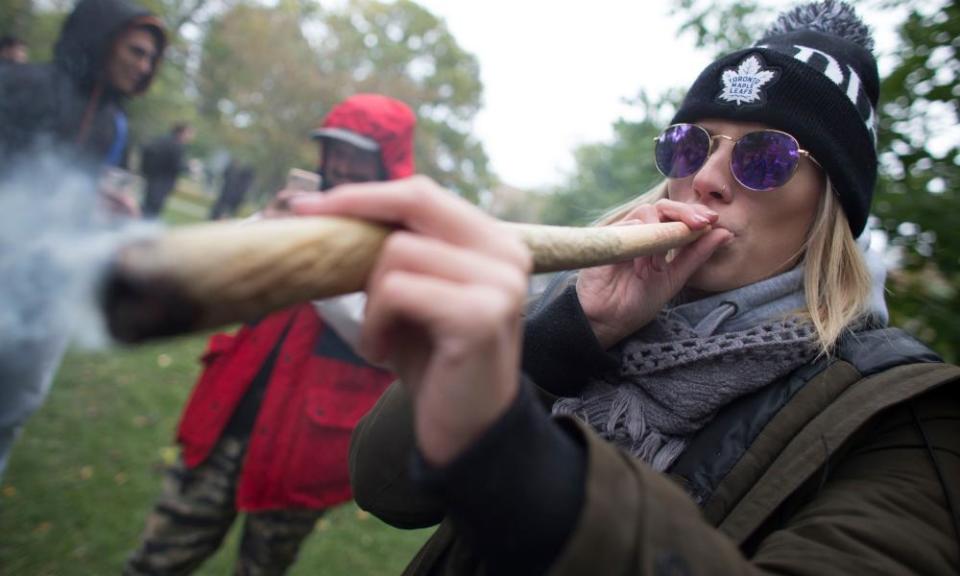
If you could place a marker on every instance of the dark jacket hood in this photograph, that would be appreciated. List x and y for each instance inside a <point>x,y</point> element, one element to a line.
<point>89,33</point>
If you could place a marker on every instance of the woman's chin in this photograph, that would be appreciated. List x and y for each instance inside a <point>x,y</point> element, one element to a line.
<point>715,277</point>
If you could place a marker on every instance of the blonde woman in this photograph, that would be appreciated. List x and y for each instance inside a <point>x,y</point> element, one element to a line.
<point>738,407</point>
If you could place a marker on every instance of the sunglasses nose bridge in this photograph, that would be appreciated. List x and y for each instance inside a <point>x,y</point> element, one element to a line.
<point>715,147</point>
<point>714,144</point>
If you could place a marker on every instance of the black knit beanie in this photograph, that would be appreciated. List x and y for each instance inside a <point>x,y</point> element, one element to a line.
<point>813,75</point>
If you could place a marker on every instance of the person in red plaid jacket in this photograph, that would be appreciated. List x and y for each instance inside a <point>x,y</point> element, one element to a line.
<point>267,428</point>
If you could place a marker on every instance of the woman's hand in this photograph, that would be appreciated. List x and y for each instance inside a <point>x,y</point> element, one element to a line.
<point>621,298</point>
<point>444,305</point>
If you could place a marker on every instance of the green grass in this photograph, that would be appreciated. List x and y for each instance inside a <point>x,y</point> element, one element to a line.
<point>89,465</point>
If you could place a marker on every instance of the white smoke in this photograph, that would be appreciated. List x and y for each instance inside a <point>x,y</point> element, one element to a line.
<point>56,243</point>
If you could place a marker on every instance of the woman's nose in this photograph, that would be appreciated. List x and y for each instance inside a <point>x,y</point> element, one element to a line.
<point>714,182</point>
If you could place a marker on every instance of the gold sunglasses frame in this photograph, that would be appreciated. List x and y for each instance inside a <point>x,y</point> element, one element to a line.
<point>713,138</point>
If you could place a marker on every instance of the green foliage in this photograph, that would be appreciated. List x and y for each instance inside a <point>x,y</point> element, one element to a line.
<point>268,75</point>
<point>259,91</point>
<point>722,29</point>
<point>15,17</point>
<point>402,50</point>
<point>255,77</point>
<point>608,174</point>
<point>917,197</point>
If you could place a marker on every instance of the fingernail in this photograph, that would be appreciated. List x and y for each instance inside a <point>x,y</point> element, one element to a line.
<point>701,219</point>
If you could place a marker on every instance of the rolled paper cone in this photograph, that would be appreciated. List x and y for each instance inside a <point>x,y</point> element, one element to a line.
<point>567,248</point>
<point>209,275</point>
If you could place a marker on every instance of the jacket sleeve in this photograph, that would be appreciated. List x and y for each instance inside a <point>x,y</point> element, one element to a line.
<point>560,350</point>
<point>881,510</point>
<point>381,447</point>
<point>383,443</point>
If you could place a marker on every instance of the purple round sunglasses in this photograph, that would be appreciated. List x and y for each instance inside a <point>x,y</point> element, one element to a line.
<point>760,161</point>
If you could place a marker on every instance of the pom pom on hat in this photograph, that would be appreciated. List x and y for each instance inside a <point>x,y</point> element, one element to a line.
<point>830,17</point>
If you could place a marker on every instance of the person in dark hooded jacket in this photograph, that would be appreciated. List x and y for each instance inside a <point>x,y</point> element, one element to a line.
<point>70,108</point>
<point>108,51</point>
<point>267,427</point>
<point>13,50</point>
<point>737,407</point>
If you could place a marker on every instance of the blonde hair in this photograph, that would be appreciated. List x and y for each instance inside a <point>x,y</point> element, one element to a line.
<point>835,276</point>
<point>836,281</point>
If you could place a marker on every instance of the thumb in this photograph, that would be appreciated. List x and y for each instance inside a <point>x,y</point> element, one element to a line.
<point>695,255</point>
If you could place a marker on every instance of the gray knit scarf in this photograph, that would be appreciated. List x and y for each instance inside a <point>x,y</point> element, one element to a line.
<point>695,358</point>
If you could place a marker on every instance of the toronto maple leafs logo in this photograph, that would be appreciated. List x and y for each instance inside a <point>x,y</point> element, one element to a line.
<point>741,85</point>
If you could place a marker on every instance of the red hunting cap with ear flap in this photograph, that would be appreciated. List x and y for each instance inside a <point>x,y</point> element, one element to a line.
<point>374,122</point>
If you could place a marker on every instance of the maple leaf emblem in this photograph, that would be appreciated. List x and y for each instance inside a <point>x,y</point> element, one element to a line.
<point>742,84</point>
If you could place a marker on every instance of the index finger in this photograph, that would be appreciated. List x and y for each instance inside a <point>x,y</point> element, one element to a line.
<point>696,216</point>
<point>419,205</point>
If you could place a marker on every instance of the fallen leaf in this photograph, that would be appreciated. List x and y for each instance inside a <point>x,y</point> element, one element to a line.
<point>322,525</point>
<point>9,491</point>
<point>169,455</point>
<point>362,515</point>
<point>86,472</point>
<point>120,478</point>
<point>164,360</point>
<point>42,528</point>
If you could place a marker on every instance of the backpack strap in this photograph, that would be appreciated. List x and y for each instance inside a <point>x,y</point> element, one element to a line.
<point>952,503</point>
<point>805,449</point>
<point>719,446</point>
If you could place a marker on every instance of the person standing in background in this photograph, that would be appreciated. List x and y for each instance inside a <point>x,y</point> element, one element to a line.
<point>70,109</point>
<point>161,163</point>
<point>267,427</point>
<point>108,51</point>
<point>13,49</point>
<point>237,179</point>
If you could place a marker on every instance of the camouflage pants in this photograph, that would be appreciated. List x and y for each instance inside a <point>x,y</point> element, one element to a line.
<point>195,511</point>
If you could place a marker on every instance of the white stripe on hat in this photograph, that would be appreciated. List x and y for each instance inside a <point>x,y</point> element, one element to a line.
<point>348,136</point>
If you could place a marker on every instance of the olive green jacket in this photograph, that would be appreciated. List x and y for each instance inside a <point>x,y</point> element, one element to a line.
<point>840,479</point>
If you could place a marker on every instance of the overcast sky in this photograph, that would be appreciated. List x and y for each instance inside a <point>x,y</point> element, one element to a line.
<point>556,73</point>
